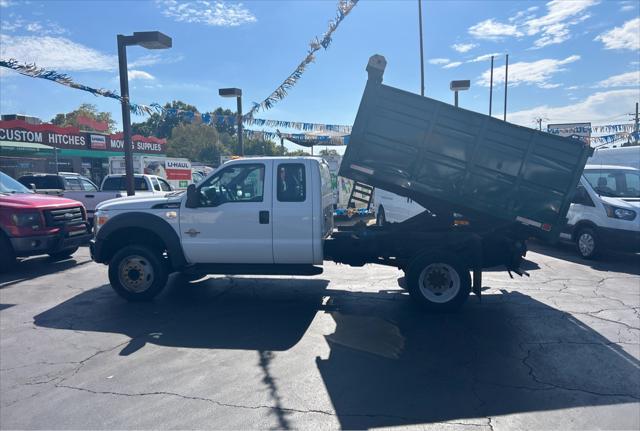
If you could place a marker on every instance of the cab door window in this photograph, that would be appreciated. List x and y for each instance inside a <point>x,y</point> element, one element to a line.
<point>291,182</point>
<point>88,186</point>
<point>238,183</point>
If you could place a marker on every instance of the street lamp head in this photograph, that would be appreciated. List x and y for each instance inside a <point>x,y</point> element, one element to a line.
<point>230,92</point>
<point>460,85</point>
<point>151,40</point>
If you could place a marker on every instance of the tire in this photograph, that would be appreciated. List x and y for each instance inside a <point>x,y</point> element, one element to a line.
<point>381,219</point>
<point>138,273</point>
<point>63,254</point>
<point>7,255</point>
<point>588,243</point>
<point>438,282</point>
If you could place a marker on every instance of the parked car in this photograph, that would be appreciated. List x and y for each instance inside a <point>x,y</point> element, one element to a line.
<point>604,211</point>
<point>70,185</point>
<point>143,184</point>
<point>33,224</point>
<point>393,208</point>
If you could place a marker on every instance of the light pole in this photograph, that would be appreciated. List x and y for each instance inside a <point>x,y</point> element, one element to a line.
<point>456,86</point>
<point>237,93</point>
<point>145,39</point>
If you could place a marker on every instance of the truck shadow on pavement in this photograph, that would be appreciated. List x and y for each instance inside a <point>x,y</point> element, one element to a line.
<point>34,267</point>
<point>389,363</point>
<point>628,263</point>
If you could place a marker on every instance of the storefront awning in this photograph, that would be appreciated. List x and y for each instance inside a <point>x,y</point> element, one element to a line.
<point>24,146</point>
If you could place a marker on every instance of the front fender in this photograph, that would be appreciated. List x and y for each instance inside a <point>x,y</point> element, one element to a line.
<point>144,223</point>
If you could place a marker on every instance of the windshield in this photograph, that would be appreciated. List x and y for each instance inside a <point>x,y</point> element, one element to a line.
<point>114,184</point>
<point>9,185</point>
<point>617,183</point>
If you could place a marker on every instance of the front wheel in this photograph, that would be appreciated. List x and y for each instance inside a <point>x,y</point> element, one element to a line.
<point>438,282</point>
<point>7,256</point>
<point>588,243</point>
<point>137,273</point>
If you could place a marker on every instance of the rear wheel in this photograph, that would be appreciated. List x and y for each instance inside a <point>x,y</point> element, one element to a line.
<point>137,273</point>
<point>588,243</point>
<point>7,255</point>
<point>438,282</point>
<point>63,254</point>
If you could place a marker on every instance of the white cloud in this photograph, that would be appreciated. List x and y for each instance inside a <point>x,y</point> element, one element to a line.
<point>56,53</point>
<point>626,6</point>
<point>629,79</point>
<point>493,30</point>
<point>573,87</point>
<point>548,85</point>
<point>550,28</point>
<point>625,37</point>
<point>536,72</point>
<point>42,28</point>
<point>152,59</point>
<point>463,47</point>
<point>6,3</point>
<point>554,26</point>
<point>484,57</point>
<point>439,61</point>
<point>140,74</point>
<point>214,13</point>
<point>595,108</point>
<point>452,65</point>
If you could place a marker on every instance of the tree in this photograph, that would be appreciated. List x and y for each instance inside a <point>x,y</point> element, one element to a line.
<point>225,127</point>
<point>196,142</point>
<point>161,125</point>
<point>85,110</point>
<point>297,153</point>
<point>327,152</point>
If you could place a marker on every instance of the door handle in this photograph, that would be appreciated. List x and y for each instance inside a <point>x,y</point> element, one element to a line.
<point>263,216</point>
<point>192,232</point>
<point>89,196</point>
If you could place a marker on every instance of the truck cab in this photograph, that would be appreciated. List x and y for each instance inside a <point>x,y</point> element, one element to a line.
<point>266,214</point>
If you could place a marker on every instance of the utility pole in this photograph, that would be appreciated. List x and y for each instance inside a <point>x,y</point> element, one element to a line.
<point>491,88</point>
<point>421,49</point>
<point>506,79</point>
<point>539,120</point>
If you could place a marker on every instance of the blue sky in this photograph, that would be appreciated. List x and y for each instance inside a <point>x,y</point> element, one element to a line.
<point>569,60</point>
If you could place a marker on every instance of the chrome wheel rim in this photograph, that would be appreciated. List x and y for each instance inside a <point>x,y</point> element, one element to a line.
<point>135,274</point>
<point>439,283</point>
<point>586,244</point>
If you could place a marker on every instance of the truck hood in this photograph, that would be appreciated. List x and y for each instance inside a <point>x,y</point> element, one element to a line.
<point>34,200</point>
<point>137,202</point>
<point>629,204</point>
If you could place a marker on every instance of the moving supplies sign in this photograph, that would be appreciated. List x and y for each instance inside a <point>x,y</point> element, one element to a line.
<point>73,138</point>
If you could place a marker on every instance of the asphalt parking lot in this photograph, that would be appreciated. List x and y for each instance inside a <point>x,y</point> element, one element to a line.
<point>346,349</point>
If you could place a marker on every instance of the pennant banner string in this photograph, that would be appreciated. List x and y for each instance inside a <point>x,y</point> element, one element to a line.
<point>344,7</point>
<point>34,71</point>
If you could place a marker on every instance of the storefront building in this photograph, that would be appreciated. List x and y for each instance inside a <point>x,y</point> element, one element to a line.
<point>46,148</point>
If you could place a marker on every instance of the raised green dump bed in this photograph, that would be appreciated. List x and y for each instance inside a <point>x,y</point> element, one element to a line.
<point>443,156</point>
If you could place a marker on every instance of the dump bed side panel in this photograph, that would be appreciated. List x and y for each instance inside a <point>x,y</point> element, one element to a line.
<point>436,153</point>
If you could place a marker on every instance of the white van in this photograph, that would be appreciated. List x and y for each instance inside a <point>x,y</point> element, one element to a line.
<point>392,208</point>
<point>604,212</point>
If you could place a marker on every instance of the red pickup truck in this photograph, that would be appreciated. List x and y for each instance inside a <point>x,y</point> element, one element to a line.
<point>33,224</point>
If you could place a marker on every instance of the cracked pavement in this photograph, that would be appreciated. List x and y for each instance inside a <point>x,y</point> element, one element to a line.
<point>346,349</point>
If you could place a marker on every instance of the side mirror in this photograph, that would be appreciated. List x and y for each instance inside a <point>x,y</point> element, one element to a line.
<point>192,197</point>
<point>32,187</point>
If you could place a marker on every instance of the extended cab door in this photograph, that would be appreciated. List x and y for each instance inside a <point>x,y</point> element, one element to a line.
<point>232,223</point>
<point>292,212</point>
